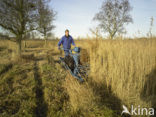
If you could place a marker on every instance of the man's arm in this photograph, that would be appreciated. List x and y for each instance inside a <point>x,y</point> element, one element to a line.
<point>60,42</point>
<point>73,43</point>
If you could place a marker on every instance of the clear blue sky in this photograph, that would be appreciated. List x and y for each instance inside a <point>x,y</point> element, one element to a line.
<point>77,15</point>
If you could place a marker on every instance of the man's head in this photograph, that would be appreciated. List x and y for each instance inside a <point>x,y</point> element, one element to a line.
<point>67,32</point>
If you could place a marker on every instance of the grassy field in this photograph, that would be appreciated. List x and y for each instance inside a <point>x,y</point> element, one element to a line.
<point>36,85</point>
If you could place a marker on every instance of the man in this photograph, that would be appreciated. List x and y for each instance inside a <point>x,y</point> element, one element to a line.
<point>66,41</point>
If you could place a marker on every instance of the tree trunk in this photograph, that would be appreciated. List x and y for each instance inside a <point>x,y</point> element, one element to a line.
<point>25,45</point>
<point>19,48</point>
<point>112,34</point>
<point>45,38</point>
<point>45,42</point>
<point>111,37</point>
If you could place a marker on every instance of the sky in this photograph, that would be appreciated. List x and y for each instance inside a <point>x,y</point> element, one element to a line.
<point>77,16</point>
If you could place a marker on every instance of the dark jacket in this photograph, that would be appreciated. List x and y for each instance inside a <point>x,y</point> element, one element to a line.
<point>66,42</point>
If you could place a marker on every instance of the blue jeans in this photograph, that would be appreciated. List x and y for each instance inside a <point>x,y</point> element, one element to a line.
<point>66,52</point>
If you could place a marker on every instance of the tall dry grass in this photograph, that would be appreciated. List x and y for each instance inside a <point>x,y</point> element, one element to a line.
<point>81,95</point>
<point>84,101</point>
<point>128,67</point>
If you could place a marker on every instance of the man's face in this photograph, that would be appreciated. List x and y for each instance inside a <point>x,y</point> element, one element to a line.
<point>67,33</point>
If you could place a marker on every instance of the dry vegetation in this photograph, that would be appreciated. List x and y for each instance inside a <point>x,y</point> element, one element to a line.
<point>122,72</point>
<point>127,67</point>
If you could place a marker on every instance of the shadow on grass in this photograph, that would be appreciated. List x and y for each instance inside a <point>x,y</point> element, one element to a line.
<point>5,69</point>
<point>107,98</point>
<point>148,93</point>
<point>41,109</point>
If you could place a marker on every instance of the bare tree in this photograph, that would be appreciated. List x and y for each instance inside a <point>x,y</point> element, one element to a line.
<point>113,16</point>
<point>46,18</point>
<point>18,17</point>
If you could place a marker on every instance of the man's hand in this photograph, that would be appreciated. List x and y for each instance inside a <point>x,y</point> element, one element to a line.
<point>74,46</point>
